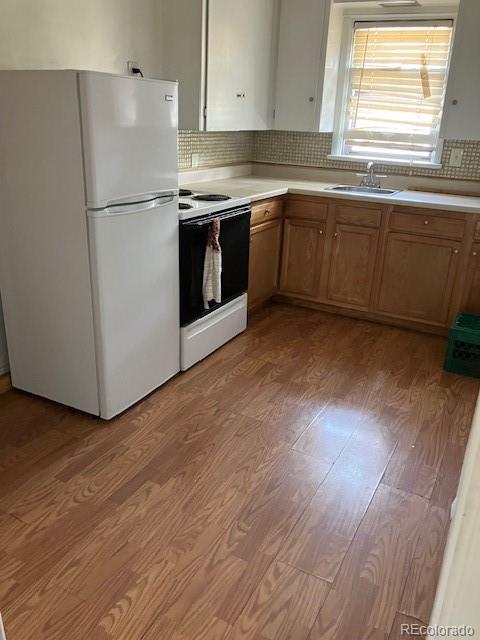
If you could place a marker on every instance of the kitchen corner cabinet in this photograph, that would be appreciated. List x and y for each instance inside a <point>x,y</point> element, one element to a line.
<point>223,61</point>
<point>302,43</point>
<point>462,101</point>
<point>303,257</point>
<point>417,277</point>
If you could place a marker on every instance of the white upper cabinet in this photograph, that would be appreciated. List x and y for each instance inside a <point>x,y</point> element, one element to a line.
<point>302,47</point>
<point>461,118</point>
<point>222,54</point>
<point>240,64</point>
<point>183,39</point>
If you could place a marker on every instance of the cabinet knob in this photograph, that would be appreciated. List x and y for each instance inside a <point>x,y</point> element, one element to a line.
<point>267,212</point>
<point>425,222</point>
<point>474,253</point>
<point>320,231</point>
<point>311,99</point>
<point>455,102</point>
<point>335,235</point>
<point>455,251</point>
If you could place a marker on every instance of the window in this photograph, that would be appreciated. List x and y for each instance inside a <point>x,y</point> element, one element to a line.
<point>394,91</point>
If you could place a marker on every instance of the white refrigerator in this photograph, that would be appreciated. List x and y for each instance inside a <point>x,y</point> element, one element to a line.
<point>89,235</point>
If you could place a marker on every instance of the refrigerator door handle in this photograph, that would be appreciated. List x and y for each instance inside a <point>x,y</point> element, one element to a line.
<point>133,207</point>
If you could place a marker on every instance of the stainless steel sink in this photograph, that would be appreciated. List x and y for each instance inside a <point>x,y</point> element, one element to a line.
<point>353,189</point>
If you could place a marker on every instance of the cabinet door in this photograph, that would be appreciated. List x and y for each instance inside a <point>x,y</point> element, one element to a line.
<point>303,251</point>
<point>300,65</point>
<point>352,267</point>
<point>472,303</point>
<point>265,241</point>
<point>417,277</point>
<point>239,61</point>
<point>462,103</point>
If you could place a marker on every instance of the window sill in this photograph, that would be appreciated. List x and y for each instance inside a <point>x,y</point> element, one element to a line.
<point>395,163</point>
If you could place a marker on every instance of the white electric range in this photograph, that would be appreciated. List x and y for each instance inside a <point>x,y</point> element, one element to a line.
<point>206,326</point>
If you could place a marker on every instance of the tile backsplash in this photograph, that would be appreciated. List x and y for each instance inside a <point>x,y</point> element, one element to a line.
<point>214,149</point>
<point>197,149</point>
<point>312,149</point>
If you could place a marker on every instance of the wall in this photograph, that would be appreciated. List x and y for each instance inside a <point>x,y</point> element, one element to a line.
<point>456,600</point>
<point>92,34</point>
<point>100,35</point>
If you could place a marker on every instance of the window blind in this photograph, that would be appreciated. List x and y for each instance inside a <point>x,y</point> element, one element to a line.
<point>396,88</point>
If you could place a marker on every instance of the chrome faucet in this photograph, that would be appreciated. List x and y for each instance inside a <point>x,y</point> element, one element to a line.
<point>371,178</point>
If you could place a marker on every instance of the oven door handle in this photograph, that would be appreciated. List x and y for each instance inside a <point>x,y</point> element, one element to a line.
<point>208,221</point>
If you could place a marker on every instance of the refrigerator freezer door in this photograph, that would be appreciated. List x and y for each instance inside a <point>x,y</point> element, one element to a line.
<point>129,128</point>
<point>134,260</point>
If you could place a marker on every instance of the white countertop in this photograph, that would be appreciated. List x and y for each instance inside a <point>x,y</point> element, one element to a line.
<point>259,188</point>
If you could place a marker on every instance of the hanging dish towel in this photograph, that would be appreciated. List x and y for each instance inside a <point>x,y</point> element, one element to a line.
<point>212,267</point>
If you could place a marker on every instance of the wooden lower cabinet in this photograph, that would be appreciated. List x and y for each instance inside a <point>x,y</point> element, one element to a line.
<point>472,300</point>
<point>265,245</point>
<point>417,279</point>
<point>395,264</point>
<point>352,266</point>
<point>302,258</point>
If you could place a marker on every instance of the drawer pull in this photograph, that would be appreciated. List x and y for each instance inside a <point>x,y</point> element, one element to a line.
<point>474,253</point>
<point>320,232</point>
<point>455,251</point>
<point>425,222</point>
<point>267,212</point>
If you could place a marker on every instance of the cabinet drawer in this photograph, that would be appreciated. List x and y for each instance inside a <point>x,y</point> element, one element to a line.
<point>441,226</point>
<point>266,210</point>
<point>477,231</point>
<point>363,216</point>
<point>308,209</point>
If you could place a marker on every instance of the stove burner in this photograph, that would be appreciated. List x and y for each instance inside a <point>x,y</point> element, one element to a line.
<point>210,197</point>
<point>184,193</point>
<point>184,205</point>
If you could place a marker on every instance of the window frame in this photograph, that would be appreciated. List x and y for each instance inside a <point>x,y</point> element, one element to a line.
<point>344,84</point>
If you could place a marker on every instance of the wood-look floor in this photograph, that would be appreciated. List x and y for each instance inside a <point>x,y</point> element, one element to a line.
<point>295,485</point>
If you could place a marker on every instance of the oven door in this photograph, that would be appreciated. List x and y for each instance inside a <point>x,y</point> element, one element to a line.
<point>235,243</point>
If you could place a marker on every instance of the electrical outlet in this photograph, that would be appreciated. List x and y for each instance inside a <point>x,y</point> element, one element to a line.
<point>456,157</point>
<point>131,64</point>
<point>195,159</point>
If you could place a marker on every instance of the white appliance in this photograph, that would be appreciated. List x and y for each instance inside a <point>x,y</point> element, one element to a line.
<point>89,235</point>
<point>205,330</point>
